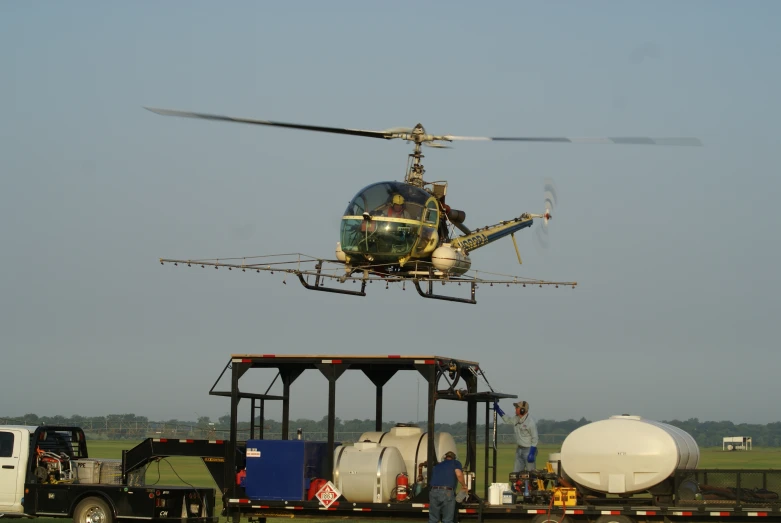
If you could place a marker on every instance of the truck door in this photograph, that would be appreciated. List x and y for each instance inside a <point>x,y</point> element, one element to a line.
<point>10,470</point>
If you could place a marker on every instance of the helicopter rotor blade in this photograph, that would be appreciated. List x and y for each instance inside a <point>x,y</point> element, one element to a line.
<point>551,198</point>
<point>418,134</point>
<point>619,140</point>
<point>387,134</point>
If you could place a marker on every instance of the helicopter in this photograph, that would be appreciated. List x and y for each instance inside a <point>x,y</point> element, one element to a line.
<point>395,231</point>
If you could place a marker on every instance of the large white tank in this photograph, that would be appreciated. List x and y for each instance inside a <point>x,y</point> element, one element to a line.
<point>626,454</point>
<point>366,472</point>
<point>412,442</point>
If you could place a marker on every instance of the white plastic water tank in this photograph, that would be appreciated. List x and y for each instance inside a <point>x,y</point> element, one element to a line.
<point>366,472</point>
<point>626,454</point>
<point>412,442</point>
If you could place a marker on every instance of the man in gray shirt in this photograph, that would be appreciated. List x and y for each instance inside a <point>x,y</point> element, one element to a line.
<point>526,437</point>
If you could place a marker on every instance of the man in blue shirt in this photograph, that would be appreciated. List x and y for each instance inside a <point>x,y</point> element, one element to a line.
<point>442,498</point>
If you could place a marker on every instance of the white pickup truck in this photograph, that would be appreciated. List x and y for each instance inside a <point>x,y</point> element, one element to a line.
<point>46,471</point>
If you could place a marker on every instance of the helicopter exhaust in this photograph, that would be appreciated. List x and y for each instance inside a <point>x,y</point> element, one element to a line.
<point>457,218</point>
<point>455,215</point>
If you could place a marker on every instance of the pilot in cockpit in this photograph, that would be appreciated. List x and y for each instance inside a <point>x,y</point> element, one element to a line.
<point>397,208</point>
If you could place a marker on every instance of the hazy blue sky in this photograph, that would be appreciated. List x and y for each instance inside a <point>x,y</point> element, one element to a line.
<point>676,250</point>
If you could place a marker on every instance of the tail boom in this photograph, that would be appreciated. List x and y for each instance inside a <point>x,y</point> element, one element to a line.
<point>481,237</point>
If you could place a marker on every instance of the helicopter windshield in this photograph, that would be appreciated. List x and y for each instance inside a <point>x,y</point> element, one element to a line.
<point>383,219</point>
<point>378,198</point>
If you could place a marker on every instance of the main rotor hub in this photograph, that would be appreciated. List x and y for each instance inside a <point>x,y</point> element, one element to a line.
<point>419,134</point>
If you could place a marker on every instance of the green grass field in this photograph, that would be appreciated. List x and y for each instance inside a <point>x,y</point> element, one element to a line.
<point>192,471</point>
<point>180,471</point>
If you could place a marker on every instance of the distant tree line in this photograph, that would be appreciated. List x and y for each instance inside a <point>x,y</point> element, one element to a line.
<point>130,426</point>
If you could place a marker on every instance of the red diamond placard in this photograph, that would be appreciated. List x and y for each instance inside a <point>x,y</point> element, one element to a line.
<point>328,494</point>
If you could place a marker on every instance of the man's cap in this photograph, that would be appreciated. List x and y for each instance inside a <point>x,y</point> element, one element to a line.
<point>450,455</point>
<point>522,405</point>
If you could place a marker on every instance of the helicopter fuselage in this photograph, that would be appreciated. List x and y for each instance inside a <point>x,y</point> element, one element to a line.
<point>397,228</point>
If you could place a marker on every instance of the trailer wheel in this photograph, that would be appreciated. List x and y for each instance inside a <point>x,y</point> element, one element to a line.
<point>614,519</point>
<point>553,518</point>
<point>93,510</point>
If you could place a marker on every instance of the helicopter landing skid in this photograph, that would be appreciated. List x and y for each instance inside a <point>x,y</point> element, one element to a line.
<point>318,286</point>
<point>429,293</point>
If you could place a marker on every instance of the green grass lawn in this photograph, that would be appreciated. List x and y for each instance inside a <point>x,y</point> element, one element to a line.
<point>184,471</point>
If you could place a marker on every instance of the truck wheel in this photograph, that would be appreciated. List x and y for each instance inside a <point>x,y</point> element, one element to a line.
<point>615,519</point>
<point>93,510</point>
<point>553,518</point>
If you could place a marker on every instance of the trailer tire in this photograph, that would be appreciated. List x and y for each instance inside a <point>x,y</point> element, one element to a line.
<point>614,519</point>
<point>93,510</point>
<point>552,518</point>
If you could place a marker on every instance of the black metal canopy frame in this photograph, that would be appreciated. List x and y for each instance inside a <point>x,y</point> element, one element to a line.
<point>447,378</point>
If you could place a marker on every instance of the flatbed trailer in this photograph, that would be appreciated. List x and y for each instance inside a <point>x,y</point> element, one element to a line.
<point>452,379</point>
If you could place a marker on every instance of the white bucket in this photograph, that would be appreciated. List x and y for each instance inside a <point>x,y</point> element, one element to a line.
<point>496,493</point>
<point>553,459</point>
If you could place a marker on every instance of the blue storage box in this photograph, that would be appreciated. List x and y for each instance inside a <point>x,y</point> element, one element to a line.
<point>282,469</point>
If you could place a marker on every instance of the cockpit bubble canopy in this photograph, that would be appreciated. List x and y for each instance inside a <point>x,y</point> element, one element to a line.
<point>388,219</point>
<point>378,197</point>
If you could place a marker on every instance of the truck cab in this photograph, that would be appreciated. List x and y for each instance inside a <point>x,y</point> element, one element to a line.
<point>14,449</point>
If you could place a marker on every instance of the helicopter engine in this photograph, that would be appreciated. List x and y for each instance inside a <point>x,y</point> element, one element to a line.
<point>450,261</point>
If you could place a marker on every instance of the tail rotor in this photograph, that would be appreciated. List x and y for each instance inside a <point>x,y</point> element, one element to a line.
<point>541,236</point>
